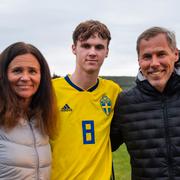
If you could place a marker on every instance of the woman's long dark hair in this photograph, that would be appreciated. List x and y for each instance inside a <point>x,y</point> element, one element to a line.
<point>43,104</point>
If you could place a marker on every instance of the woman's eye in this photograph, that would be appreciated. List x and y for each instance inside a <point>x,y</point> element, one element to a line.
<point>17,70</point>
<point>32,71</point>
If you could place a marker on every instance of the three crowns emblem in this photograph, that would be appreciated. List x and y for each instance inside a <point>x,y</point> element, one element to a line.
<point>105,103</point>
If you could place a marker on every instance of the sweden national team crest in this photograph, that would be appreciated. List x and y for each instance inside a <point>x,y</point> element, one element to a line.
<point>106,105</point>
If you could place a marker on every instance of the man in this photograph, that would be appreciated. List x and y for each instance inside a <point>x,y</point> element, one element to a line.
<point>147,117</point>
<point>82,150</point>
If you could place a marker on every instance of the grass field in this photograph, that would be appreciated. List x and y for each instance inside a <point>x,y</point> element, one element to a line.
<point>121,164</point>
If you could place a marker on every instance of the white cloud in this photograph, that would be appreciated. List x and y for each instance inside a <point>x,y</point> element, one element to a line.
<point>49,25</point>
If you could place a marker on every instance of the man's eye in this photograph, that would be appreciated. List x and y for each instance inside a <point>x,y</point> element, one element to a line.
<point>147,57</point>
<point>161,54</point>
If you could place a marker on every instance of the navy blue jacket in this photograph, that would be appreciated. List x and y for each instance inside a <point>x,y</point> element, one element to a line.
<point>148,122</point>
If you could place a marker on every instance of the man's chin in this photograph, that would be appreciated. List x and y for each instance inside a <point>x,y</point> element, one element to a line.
<point>157,84</point>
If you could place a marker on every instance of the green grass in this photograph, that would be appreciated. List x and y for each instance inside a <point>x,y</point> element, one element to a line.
<point>121,164</point>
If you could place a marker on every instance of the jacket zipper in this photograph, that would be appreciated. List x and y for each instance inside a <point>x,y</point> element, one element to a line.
<point>167,138</point>
<point>36,152</point>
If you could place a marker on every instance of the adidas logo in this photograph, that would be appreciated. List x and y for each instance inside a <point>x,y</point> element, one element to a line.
<point>66,108</point>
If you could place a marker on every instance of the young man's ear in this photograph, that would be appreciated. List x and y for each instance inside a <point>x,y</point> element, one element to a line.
<point>107,52</point>
<point>73,49</point>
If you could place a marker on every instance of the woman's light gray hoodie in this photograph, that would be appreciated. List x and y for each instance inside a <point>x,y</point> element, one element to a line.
<point>24,153</point>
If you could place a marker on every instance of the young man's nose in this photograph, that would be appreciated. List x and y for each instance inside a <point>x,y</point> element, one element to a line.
<point>92,51</point>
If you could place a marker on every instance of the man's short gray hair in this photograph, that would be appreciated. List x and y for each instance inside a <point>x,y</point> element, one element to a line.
<point>154,31</point>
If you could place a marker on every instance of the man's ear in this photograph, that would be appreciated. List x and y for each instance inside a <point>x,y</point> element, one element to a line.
<point>139,63</point>
<point>177,53</point>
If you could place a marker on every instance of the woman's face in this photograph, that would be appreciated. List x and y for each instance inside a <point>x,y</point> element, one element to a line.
<point>24,75</point>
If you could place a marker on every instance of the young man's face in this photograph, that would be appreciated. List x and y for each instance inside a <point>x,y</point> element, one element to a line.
<point>156,60</point>
<point>90,54</point>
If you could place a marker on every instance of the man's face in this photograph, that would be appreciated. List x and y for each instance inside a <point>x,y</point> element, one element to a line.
<point>90,54</point>
<point>156,60</point>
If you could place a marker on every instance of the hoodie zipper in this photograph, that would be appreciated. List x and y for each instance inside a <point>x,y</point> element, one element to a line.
<point>36,152</point>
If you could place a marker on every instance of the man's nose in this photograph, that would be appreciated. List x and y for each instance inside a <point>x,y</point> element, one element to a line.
<point>155,61</point>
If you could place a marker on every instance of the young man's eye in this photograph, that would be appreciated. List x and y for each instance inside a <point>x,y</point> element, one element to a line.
<point>86,46</point>
<point>99,47</point>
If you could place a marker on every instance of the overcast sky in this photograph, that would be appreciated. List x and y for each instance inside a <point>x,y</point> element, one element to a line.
<point>48,24</point>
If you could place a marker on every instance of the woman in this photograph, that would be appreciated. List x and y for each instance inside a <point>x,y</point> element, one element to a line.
<point>27,113</point>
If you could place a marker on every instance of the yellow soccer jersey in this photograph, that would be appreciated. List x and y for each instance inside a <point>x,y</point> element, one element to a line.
<point>82,151</point>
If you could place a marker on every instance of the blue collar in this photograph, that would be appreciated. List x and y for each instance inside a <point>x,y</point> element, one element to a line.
<point>78,88</point>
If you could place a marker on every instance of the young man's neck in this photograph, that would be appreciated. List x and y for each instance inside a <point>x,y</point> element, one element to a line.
<point>84,80</point>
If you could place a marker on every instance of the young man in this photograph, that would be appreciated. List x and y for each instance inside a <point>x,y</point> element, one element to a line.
<point>82,150</point>
<point>147,117</point>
